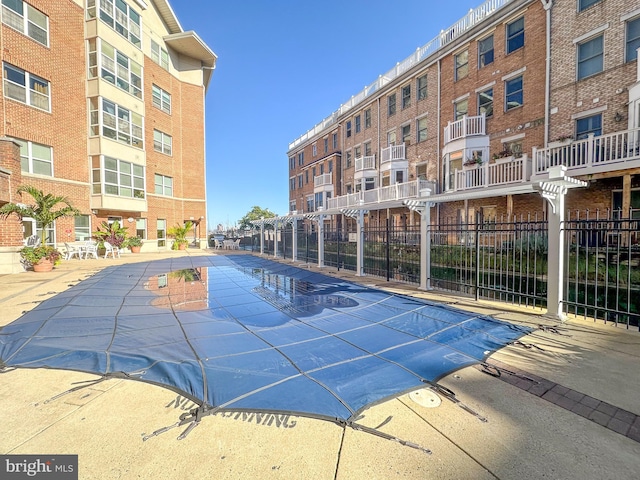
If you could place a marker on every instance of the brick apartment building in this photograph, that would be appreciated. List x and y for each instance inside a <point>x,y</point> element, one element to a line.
<point>474,119</point>
<point>102,102</point>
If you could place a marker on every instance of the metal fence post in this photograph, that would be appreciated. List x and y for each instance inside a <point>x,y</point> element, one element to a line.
<point>477,260</point>
<point>387,246</point>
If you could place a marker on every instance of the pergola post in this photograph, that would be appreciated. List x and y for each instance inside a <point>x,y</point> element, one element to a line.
<point>262,236</point>
<point>321,241</point>
<point>360,244</point>
<point>275,238</point>
<point>424,209</point>
<point>294,240</point>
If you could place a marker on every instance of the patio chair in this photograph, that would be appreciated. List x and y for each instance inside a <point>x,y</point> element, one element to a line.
<point>217,243</point>
<point>90,250</point>
<point>111,250</point>
<point>71,251</point>
<point>31,241</point>
<point>236,244</point>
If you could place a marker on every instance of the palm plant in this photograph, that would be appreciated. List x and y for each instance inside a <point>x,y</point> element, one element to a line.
<point>113,233</point>
<point>179,233</point>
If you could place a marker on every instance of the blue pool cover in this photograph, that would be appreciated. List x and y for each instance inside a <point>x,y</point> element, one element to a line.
<point>245,333</point>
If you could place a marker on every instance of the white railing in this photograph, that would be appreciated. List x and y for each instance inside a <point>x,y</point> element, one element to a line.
<point>445,37</point>
<point>322,180</point>
<point>465,127</point>
<point>611,151</point>
<point>365,163</point>
<point>397,192</point>
<point>492,174</point>
<point>394,152</point>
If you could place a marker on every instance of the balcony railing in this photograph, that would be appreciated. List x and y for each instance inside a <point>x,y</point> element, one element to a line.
<point>465,127</point>
<point>397,192</point>
<point>394,152</point>
<point>614,151</point>
<point>365,163</point>
<point>493,174</point>
<point>322,180</point>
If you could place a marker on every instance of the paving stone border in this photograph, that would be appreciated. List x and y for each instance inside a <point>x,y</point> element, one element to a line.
<point>609,416</point>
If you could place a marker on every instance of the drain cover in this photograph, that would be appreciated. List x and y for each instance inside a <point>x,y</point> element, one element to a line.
<point>426,398</point>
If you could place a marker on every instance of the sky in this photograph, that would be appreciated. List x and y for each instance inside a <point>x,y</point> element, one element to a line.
<point>283,66</point>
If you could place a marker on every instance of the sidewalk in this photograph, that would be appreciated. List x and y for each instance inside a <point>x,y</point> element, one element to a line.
<point>578,419</point>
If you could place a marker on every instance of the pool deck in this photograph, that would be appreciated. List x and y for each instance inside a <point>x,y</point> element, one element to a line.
<point>571,412</point>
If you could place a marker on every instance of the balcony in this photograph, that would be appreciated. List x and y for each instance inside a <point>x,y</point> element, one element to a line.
<point>323,183</point>
<point>504,172</point>
<point>392,193</point>
<point>392,154</point>
<point>365,167</point>
<point>465,127</point>
<point>592,155</point>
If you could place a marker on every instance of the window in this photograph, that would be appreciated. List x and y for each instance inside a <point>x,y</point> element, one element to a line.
<point>159,55</point>
<point>26,87</point>
<point>369,183</point>
<point>633,39</point>
<point>391,104</point>
<point>306,177</point>
<point>119,16</point>
<point>114,67</point>
<point>357,152</point>
<point>515,35</point>
<point>322,169</point>
<point>460,109</point>
<point>310,203</point>
<point>367,118</point>
<point>141,228</point>
<point>584,4</point>
<point>330,166</point>
<point>358,124</point>
<point>348,128</point>
<point>348,160</point>
<point>485,51</point>
<point>299,181</point>
<point>335,140</point>
<point>391,138</point>
<point>161,232</point>
<point>36,158</point>
<point>314,150</point>
<point>292,206</point>
<point>588,125</point>
<point>117,122</point>
<point>162,142</point>
<point>406,134</point>
<point>513,93</point>
<point>292,184</point>
<point>292,163</point>
<point>26,19</point>
<point>300,159</point>
<point>462,65</point>
<point>406,96</point>
<point>421,171</point>
<point>82,228</point>
<point>319,198</point>
<point>111,176</point>
<point>485,102</point>
<point>161,99</point>
<point>326,145</point>
<point>590,57</point>
<point>367,149</point>
<point>163,185</point>
<point>421,130</point>
<point>421,87</point>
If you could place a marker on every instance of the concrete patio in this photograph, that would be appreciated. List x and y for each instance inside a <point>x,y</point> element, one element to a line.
<point>572,412</point>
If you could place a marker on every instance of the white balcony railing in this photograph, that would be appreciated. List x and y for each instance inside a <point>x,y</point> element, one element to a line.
<point>392,153</point>
<point>493,174</point>
<point>365,163</point>
<point>465,127</point>
<point>322,180</point>
<point>397,192</point>
<point>614,151</point>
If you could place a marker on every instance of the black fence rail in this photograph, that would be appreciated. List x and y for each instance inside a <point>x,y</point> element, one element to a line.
<point>392,252</point>
<point>339,249</point>
<point>602,266</point>
<point>501,259</point>
<point>307,243</point>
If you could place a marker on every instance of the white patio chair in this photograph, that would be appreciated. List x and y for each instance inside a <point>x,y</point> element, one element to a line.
<point>236,244</point>
<point>217,243</point>
<point>111,250</point>
<point>71,251</point>
<point>90,250</point>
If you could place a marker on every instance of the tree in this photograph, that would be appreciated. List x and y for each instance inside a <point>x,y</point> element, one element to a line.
<point>43,210</point>
<point>256,213</point>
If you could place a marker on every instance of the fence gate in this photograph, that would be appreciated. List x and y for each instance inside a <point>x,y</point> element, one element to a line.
<point>602,266</point>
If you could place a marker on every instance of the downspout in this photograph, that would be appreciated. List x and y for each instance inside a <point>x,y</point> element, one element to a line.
<point>439,151</point>
<point>547,4</point>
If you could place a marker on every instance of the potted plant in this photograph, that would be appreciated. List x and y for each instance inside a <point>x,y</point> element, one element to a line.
<point>112,233</point>
<point>45,210</point>
<point>134,244</point>
<point>179,233</point>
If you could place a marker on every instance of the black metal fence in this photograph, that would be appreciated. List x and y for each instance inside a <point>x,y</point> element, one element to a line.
<point>339,248</point>
<point>602,266</point>
<point>392,252</point>
<point>307,243</point>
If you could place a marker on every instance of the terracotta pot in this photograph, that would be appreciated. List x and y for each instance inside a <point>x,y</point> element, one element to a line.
<point>135,249</point>
<point>182,246</point>
<point>44,265</point>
